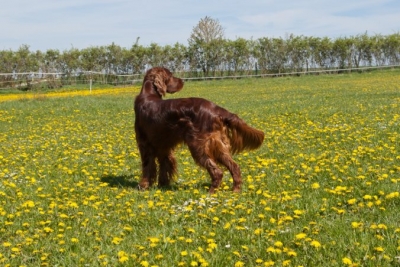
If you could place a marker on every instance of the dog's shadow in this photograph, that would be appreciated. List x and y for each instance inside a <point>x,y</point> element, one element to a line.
<point>127,181</point>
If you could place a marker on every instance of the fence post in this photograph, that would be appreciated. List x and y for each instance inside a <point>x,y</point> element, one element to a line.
<point>90,82</point>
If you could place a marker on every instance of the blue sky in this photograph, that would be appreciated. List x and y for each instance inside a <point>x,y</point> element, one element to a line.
<point>60,24</point>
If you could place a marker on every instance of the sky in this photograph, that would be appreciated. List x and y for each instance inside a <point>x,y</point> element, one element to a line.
<point>66,24</point>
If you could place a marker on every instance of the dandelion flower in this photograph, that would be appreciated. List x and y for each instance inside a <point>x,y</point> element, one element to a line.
<point>355,225</point>
<point>315,186</point>
<point>227,225</point>
<point>347,261</point>
<point>351,201</point>
<point>258,231</point>
<point>122,256</point>
<point>292,253</point>
<point>315,244</point>
<point>301,236</point>
<point>116,240</point>
<point>184,253</point>
<point>48,230</point>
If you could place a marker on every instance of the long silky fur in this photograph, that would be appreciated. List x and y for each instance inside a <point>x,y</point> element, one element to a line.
<point>242,136</point>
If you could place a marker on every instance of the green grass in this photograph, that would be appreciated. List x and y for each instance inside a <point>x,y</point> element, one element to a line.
<point>323,190</point>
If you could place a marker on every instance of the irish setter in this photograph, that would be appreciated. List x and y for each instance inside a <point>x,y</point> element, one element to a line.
<point>211,132</point>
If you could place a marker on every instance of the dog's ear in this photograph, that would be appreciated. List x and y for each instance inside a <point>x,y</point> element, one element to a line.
<point>160,84</point>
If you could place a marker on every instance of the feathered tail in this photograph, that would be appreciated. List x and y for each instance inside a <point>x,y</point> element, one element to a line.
<point>242,136</point>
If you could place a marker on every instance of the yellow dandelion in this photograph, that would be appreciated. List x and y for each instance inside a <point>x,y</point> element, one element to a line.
<point>122,256</point>
<point>28,204</point>
<point>48,230</point>
<point>298,212</point>
<point>116,240</point>
<point>347,261</point>
<point>269,263</point>
<point>382,226</point>
<point>184,253</point>
<point>392,195</point>
<point>351,201</point>
<point>315,186</point>
<point>355,225</point>
<point>227,225</point>
<point>291,253</point>
<point>128,228</point>
<point>301,236</point>
<point>315,244</point>
<point>258,231</point>
<point>154,239</point>
<point>102,256</point>
<point>367,197</point>
<point>341,211</point>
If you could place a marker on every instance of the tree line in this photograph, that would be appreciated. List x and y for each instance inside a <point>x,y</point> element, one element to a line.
<point>200,58</point>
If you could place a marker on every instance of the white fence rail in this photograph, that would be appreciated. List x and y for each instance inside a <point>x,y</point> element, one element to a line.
<point>31,80</point>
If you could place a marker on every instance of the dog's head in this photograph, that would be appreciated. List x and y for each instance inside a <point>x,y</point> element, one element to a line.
<point>163,81</point>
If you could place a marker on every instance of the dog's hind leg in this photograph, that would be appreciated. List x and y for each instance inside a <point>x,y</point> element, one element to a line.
<point>234,169</point>
<point>215,173</point>
<point>205,161</point>
<point>218,148</point>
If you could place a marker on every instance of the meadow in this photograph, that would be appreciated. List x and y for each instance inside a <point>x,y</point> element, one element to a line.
<point>323,190</point>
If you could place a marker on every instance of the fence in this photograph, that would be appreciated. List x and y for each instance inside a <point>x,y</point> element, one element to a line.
<point>35,80</point>
<point>86,79</point>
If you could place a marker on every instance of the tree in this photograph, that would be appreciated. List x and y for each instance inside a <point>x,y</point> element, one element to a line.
<point>136,58</point>
<point>70,62</point>
<point>237,55</point>
<point>6,66</point>
<point>207,30</point>
<point>205,43</point>
<point>25,62</point>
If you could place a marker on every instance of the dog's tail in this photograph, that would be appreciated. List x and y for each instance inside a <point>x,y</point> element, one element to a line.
<point>242,136</point>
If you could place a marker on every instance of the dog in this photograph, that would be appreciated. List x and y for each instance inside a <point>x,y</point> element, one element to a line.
<point>211,132</point>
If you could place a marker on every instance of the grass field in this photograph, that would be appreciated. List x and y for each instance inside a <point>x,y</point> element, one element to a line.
<point>323,190</point>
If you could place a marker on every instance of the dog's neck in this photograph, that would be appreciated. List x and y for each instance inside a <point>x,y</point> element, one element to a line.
<point>148,89</point>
